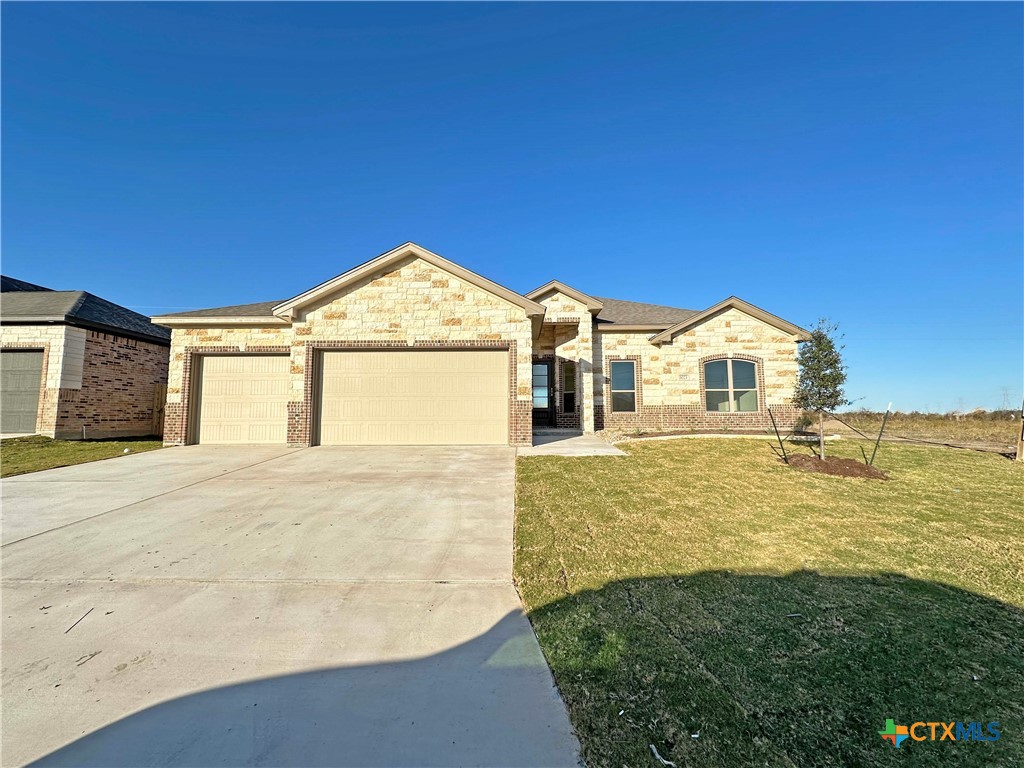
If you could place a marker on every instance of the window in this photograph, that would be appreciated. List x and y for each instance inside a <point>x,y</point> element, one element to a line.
<point>623,386</point>
<point>730,385</point>
<point>568,386</point>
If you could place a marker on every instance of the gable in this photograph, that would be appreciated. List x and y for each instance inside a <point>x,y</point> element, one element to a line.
<point>741,310</point>
<point>410,289</point>
<point>397,258</point>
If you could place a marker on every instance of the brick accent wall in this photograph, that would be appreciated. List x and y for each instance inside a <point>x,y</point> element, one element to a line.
<point>116,398</point>
<point>94,384</point>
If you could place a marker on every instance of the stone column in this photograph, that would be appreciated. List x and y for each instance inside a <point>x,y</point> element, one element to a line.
<point>585,347</point>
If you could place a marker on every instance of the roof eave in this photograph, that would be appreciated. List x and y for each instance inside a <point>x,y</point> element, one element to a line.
<point>180,321</point>
<point>87,325</point>
<point>609,326</point>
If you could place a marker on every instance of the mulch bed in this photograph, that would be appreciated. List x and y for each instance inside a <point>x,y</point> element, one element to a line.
<point>833,465</point>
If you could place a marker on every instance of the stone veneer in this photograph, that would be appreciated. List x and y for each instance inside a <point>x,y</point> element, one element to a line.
<point>411,304</point>
<point>567,335</point>
<point>670,387</point>
<point>94,384</point>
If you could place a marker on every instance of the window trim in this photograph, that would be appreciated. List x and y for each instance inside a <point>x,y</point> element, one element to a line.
<point>611,387</point>
<point>731,389</point>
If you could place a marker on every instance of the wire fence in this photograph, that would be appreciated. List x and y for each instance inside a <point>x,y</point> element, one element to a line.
<point>892,436</point>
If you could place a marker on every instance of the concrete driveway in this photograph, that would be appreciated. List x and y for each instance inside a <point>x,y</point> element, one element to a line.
<point>260,606</point>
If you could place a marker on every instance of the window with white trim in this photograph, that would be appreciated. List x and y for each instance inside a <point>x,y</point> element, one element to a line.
<point>623,386</point>
<point>730,386</point>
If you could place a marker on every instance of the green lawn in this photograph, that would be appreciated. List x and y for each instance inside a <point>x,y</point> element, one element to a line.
<point>703,586</point>
<point>19,455</point>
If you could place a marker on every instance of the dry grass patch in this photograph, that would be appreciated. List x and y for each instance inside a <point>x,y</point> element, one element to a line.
<point>702,585</point>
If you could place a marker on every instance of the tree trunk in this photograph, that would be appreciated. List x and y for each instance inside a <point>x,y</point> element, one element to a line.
<point>821,435</point>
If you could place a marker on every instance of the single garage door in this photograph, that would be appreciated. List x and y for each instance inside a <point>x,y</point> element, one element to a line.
<point>422,397</point>
<point>21,374</point>
<point>244,399</point>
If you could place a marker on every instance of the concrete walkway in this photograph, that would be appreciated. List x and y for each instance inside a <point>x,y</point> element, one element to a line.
<point>569,445</point>
<point>248,606</point>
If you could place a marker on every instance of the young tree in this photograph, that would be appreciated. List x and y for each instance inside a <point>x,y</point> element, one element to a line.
<point>822,376</point>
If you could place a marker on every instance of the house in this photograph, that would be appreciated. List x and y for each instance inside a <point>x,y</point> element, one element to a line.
<point>410,348</point>
<point>75,366</point>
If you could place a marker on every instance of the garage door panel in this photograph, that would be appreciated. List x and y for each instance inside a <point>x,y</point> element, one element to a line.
<point>22,372</point>
<point>414,398</point>
<point>244,399</point>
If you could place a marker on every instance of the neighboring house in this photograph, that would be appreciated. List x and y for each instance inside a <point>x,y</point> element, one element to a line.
<point>410,348</point>
<point>75,366</point>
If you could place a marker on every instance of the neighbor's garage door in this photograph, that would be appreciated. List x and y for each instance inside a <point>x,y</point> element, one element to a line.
<point>244,399</point>
<point>414,398</point>
<point>21,373</point>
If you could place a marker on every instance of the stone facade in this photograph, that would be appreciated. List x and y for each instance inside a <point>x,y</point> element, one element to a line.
<point>567,336</point>
<point>94,384</point>
<point>414,301</point>
<point>409,304</point>
<point>669,377</point>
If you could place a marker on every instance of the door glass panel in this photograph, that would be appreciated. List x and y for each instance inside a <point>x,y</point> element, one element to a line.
<point>540,397</point>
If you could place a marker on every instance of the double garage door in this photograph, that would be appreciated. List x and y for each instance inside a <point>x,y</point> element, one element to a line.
<point>394,397</point>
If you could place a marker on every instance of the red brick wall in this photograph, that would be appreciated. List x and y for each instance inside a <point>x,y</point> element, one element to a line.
<point>116,397</point>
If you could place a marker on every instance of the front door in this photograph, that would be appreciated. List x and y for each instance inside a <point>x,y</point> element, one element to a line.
<point>543,394</point>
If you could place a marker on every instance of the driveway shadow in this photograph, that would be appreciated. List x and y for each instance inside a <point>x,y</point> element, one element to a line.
<point>797,669</point>
<point>475,704</point>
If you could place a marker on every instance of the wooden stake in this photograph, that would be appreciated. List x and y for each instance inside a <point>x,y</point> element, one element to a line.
<point>1020,437</point>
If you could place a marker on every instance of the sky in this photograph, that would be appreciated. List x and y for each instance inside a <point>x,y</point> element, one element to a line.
<point>861,162</point>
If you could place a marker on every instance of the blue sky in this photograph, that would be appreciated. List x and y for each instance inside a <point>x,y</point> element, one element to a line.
<point>856,161</point>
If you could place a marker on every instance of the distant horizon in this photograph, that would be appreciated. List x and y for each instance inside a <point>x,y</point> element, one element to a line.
<point>860,162</point>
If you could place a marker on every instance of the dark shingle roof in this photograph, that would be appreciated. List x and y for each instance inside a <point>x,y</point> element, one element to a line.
<point>259,309</point>
<point>14,284</point>
<point>619,312</point>
<point>615,311</point>
<point>77,308</point>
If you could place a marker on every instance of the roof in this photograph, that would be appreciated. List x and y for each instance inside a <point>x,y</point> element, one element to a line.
<point>14,284</point>
<point>622,312</point>
<point>78,308</point>
<point>258,309</point>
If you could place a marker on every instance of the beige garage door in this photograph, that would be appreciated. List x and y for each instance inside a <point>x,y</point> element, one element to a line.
<point>244,399</point>
<point>414,398</point>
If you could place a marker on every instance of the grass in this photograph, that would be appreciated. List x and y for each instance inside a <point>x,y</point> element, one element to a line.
<point>703,586</point>
<point>19,455</point>
<point>996,428</point>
